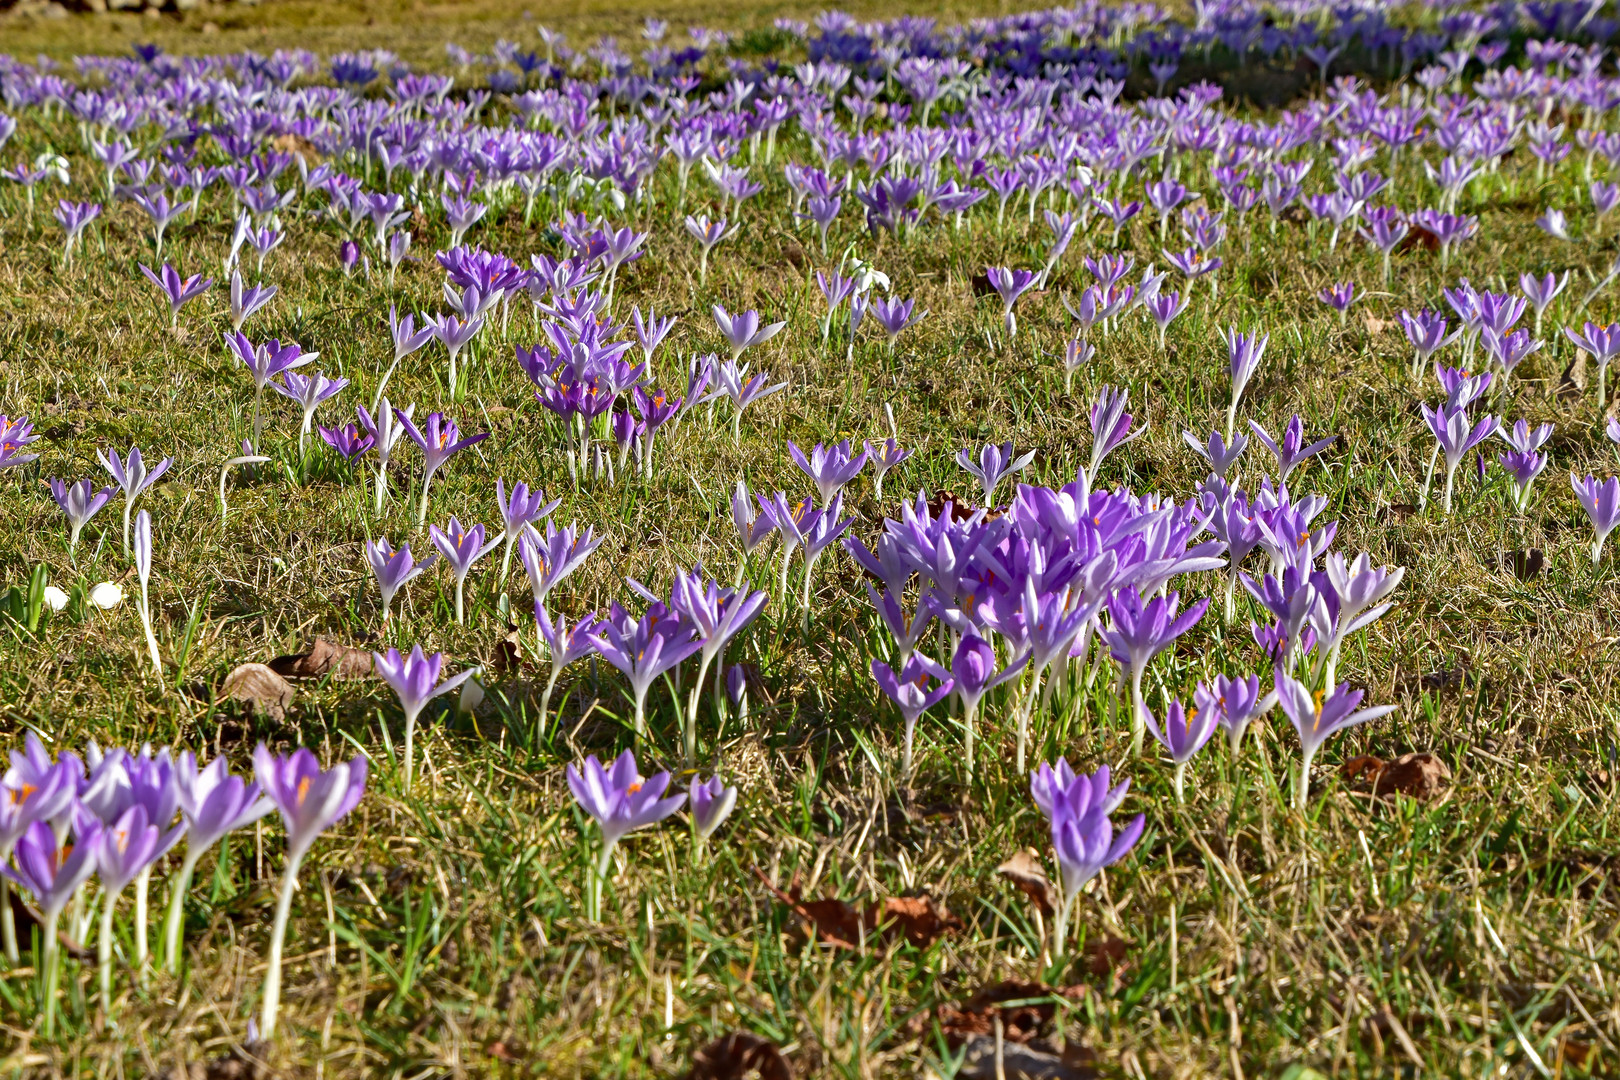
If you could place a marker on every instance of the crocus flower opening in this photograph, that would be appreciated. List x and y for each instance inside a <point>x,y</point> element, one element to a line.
<point>1183,735</point>
<point>1290,451</point>
<point>1317,716</point>
<point>133,477</point>
<point>911,695</point>
<point>309,392</point>
<point>1137,632</point>
<point>143,571</point>
<point>1602,505</point>
<point>53,871</point>
<point>884,456</point>
<point>438,438</point>
<point>461,548</point>
<point>1602,343</point>
<point>743,331</point>
<point>394,568</point>
<point>1009,285</point>
<point>129,845</point>
<point>712,802</point>
<point>829,468</point>
<point>995,464</point>
<point>974,674</point>
<point>176,290</point>
<point>1244,353</point>
<point>1454,438</point>
<point>311,801</point>
<point>620,801</point>
<point>415,679</point>
<point>15,435</point>
<point>79,502</point>
<point>1083,838</point>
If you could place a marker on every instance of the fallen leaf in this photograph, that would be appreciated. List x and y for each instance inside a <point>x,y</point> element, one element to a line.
<point>1103,954</point>
<point>1024,870</point>
<point>921,919</point>
<point>1416,236</point>
<point>508,654</point>
<point>324,658</point>
<point>1572,382</point>
<point>258,686</point>
<point>1420,776</point>
<point>290,143</point>
<point>734,1056</point>
<point>1582,1055</point>
<point>1399,511</point>
<point>1025,1010</point>
<point>1375,325</point>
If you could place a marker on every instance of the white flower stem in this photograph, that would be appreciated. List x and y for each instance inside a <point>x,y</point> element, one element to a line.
<point>177,899</point>
<point>278,934</point>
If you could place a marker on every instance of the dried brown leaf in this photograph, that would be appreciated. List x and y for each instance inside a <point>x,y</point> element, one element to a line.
<point>738,1055</point>
<point>508,655</point>
<point>324,658</point>
<point>258,686</point>
<point>1035,1060</point>
<point>1419,776</point>
<point>1024,870</point>
<point>922,919</point>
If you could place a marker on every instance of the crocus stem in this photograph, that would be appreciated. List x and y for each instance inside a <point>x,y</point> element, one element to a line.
<point>151,639</point>
<point>48,965</point>
<point>1230,609</point>
<point>421,510</point>
<point>967,738</point>
<point>1060,925</point>
<point>905,755</point>
<point>382,487</point>
<point>598,879</point>
<point>143,889</point>
<point>177,899</point>
<point>127,506</point>
<point>1180,779</point>
<point>8,923</point>
<point>1138,712</point>
<point>545,701</point>
<point>410,742</point>
<point>690,734</point>
<point>104,951</point>
<point>1451,476</point>
<point>278,933</point>
<point>1302,787</point>
<point>461,588</point>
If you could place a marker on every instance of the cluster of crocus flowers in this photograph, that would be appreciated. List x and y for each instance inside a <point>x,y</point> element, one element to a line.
<point>111,816</point>
<point>1077,809</point>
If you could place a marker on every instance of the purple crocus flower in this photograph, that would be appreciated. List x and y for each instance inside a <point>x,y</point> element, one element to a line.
<point>1183,735</point>
<point>910,693</point>
<point>349,441</point>
<point>461,548</point>
<point>1317,717</point>
<point>79,502</point>
<point>1339,297</point>
<point>1603,344</point>
<point>523,508</point>
<point>830,468</point>
<point>407,340</point>
<point>385,430</point>
<point>311,801</point>
<point>415,678</point>
<point>1234,703</point>
<point>719,614</point>
<point>1163,307</point>
<point>1085,842</point>
<point>744,390</point>
<point>1137,632</point>
<point>752,529</point>
<point>437,438</point>
<point>743,331</point>
<point>620,801</point>
<point>1110,425</point>
<point>246,301</point>
<point>133,477</point>
<point>454,335</point>
<point>74,217</point>
<point>1220,456</point>
<point>974,674</point>
<point>1541,292</point>
<point>1243,353</point>
<point>1602,505</point>
<point>266,362</point>
<point>1522,468</point>
<point>884,456</point>
<point>53,871</point>
<point>1454,438</point>
<point>553,556</point>
<point>1427,332</point>
<point>650,331</point>
<point>212,803</point>
<point>1059,792</point>
<point>1009,285</point>
<point>712,802</point>
<point>393,567</point>
<point>995,464</point>
<point>708,235</point>
<point>14,436</point>
<point>128,847</point>
<point>894,315</point>
<point>34,789</point>
<point>177,290</point>
<point>1290,453</point>
<point>310,392</point>
<point>643,649</point>
<point>564,644</point>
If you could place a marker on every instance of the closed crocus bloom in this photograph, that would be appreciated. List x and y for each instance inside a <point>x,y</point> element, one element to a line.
<point>415,678</point>
<point>712,802</point>
<point>53,872</point>
<point>79,502</point>
<point>394,568</point>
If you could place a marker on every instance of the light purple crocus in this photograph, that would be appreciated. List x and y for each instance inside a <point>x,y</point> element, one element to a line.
<point>1290,451</point>
<point>894,315</point>
<point>128,846</point>
<point>830,468</point>
<point>33,789</point>
<point>438,438</point>
<point>1541,292</point>
<point>1078,807</point>
<point>461,548</point>
<point>1317,717</point>
<point>523,508</point>
<point>1235,703</point>
<point>454,335</point>
<point>53,871</point>
<point>1243,353</point>
<point>264,363</point>
<point>176,290</point>
<point>1603,344</point>
<point>910,693</point>
<point>133,477</point>
<point>1602,505</point>
<point>311,800</point>
<point>884,456</point>
<point>394,568</point>
<point>310,392</point>
<point>564,645</point>
<point>245,300</point>
<point>15,435</point>
<point>415,679</point>
<point>1010,285</point>
<point>79,502</point>
<point>1137,632</point>
<point>753,528</point>
<point>620,801</point>
<point>1183,735</point>
<point>1454,438</point>
<point>1220,456</point>
<point>744,330</point>
<point>348,441</point>
<point>995,464</point>
<point>974,674</point>
<point>553,556</point>
<point>643,649</point>
<point>1110,425</point>
<point>712,802</point>
<point>385,430</point>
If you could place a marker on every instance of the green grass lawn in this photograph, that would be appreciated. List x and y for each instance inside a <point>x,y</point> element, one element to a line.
<point>443,933</point>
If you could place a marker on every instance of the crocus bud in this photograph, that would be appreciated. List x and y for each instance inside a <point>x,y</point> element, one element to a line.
<point>712,803</point>
<point>737,687</point>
